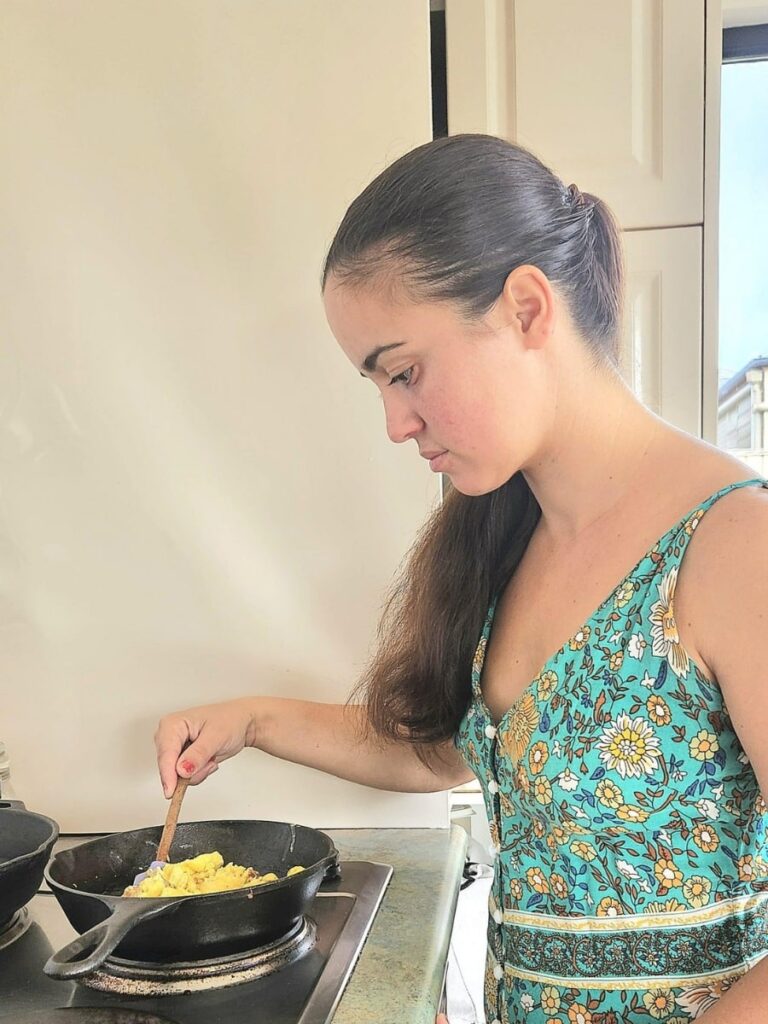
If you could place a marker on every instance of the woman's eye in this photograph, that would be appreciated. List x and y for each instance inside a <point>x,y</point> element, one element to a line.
<point>404,377</point>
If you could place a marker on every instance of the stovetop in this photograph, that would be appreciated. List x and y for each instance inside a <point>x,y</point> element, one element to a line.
<point>306,991</point>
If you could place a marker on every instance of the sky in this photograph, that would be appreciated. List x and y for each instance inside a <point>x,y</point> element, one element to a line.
<point>743,215</point>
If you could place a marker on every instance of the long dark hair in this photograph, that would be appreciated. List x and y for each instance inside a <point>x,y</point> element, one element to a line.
<point>448,222</point>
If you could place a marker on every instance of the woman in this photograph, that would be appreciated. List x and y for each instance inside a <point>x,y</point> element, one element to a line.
<point>621,773</point>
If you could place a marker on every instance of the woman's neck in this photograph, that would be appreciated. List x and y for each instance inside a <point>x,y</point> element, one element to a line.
<point>603,447</point>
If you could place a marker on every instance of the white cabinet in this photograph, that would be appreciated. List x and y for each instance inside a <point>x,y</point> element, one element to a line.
<point>609,94</point>
<point>661,345</point>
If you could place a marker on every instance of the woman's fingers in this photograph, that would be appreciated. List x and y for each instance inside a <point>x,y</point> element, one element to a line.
<point>195,761</point>
<point>202,775</point>
<point>191,743</point>
<point>170,737</point>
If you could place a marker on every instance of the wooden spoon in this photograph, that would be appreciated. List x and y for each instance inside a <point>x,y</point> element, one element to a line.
<point>171,818</point>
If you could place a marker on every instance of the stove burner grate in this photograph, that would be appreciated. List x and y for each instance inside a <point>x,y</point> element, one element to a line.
<point>15,927</point>
<point>141,978</point>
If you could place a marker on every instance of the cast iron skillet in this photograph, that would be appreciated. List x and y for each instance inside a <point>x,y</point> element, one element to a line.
<point>25,846</point>
<point>88,880</point>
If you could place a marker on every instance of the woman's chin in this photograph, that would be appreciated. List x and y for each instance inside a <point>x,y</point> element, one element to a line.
<point>472,488</point>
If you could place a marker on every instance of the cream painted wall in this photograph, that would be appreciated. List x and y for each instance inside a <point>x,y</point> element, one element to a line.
<point>197,496</point>
<point>744,12</point>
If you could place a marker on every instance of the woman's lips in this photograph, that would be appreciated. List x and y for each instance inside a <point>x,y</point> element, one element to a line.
<point>436,460</point>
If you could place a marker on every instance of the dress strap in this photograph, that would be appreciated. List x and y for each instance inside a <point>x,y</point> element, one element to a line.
<point>755,481</point>
<point>682,536</point>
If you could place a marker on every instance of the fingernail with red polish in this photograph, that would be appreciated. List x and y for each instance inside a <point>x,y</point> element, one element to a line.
<point>188,767</point>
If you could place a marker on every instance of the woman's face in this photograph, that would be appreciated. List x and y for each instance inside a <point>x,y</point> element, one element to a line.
<point>467,394</point>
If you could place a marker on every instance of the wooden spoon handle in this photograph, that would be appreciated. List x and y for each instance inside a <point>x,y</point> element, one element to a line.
<point>171,818</point>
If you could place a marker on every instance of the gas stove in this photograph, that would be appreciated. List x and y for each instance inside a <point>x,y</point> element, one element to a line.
<point>297,980</point>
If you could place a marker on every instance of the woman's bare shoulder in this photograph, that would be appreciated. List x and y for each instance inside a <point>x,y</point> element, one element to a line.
<point>694,470</point>
<point>730,543</point>
<point>736,522</point>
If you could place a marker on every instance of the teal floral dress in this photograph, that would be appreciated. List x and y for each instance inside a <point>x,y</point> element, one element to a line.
<point>631,876</point>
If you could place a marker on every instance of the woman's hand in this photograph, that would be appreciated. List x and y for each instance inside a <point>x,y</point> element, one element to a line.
<point>206,736</point>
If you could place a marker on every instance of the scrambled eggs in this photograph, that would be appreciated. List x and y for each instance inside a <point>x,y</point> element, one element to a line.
<point>204,874</point>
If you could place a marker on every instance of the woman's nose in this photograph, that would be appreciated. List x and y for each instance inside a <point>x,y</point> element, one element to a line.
<point>403,422</point>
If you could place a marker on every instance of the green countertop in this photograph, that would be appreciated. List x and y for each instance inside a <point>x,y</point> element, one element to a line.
<point>399,976</point>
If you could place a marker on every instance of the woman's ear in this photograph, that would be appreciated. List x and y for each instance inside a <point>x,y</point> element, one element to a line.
<point>529,305</point>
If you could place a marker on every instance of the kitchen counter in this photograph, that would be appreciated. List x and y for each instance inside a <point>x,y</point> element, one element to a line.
<point>399,977</point>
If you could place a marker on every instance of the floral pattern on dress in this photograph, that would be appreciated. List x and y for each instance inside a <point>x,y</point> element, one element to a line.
<point>631,880</point>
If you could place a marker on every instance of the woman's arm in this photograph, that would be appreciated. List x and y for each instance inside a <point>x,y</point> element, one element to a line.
<point>744,1002</point>
<point>726,608</point>
<point>329,737</point>
<point>723,603</point>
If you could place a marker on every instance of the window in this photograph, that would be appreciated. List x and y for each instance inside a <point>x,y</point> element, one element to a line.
<point>742,419</point>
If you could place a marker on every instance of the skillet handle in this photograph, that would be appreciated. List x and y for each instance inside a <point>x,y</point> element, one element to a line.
<point>333,870</point>
<point>103,938</point>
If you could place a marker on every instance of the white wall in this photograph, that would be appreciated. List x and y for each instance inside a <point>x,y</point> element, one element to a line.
<point>197,496</point>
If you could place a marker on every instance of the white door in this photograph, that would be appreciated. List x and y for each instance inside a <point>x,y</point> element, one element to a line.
<point>609,93</point>
<point>661,348</point>
<point>198,497</point>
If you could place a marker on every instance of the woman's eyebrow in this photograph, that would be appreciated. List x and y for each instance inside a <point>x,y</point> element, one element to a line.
<point>369,363</point>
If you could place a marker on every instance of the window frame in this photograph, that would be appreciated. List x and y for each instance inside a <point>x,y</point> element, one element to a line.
<point>730,45</point>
